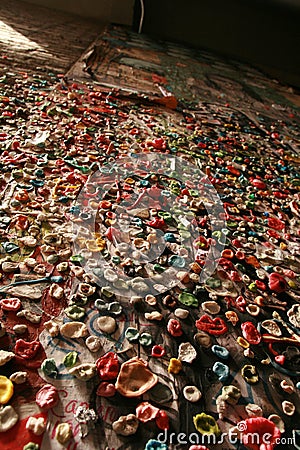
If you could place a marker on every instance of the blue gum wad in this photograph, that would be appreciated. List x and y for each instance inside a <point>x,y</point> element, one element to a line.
<point>155,445</point>
<point>221,370</point>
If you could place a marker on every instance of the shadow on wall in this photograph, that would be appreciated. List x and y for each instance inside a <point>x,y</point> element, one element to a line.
<point>265,33</point>
<point>109,11</point>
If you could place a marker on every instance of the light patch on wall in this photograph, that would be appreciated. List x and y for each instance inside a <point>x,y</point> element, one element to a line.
<point>13,39</point>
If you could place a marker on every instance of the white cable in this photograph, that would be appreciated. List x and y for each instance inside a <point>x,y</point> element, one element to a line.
<point>142,16</point>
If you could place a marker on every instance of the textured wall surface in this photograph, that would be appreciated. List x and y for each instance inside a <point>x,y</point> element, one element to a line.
<point>32,36</point>
<point>103,10</point>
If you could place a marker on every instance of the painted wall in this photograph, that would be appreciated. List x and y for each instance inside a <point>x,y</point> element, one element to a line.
<point>112,11</point>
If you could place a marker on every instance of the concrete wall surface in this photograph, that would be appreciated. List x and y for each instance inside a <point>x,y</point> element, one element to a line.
<point>110,11</point>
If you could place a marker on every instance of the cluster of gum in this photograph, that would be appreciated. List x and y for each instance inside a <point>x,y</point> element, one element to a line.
<point>52,142</point>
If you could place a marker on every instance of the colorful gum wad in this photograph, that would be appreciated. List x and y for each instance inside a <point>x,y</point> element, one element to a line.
<point>18,435</point>
<point>6,390</point>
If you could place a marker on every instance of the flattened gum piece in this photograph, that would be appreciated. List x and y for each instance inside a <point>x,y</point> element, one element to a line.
<point>253,310</point>
<point>154,315</point>
<point>47,397</point>
<point>84,371</point>
<point>106,389</point>
<point>63,433</point>
<point>175,366</point>
<point>6,389</point>
<point>86,289</point>
<point>211,307</point>
<point>93,343</point>
<point>56,291</point>
<point>5,357</point>
<point>106,324</point>
<point>287,386</point>
<point>186,352</point>
<point>232,317</point>
<point>126,425</point>
<point>146,412</point>
<point>18,377</point>
<point>77,271</point>
<point>151,300</point>
<point>8,418</point>
<point>74,330</point>
<point>135,378</point>
<point>29,315</point>
<point>52,328</point>
<point>192,393</point>
<point>20,328</point>
<point>181,313</point>
<point>272,327</point>
<point>253,410</point>
<point>288,408</point>
<point>203,339</point>
<point>36,425</point>
<point>231,394</point>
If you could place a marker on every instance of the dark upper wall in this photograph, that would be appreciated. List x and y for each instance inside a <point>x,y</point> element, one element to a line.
<point>265,33</point>
<point>116,11</point>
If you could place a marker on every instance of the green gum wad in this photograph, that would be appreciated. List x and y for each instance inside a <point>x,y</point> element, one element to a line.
<point>206,424</point>
<point>79,301</point>
<point>185,234</point>
<point>158,268</point>
<point>188,299</point>
<point>75,312</point>
<point>132,334</point>
<point>70,359</point>
<point>31,446</point>
<point>49,367</point>
<point>145,339</point>
<point>213,282</point>
<point>165,215</point>
<point>77,258</point>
